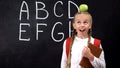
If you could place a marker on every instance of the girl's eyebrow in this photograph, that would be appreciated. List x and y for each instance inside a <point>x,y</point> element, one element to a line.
<point>77,20</point>
<point>86,20</point>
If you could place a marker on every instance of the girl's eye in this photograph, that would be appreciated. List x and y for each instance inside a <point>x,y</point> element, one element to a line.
<point>78,22</point>
<point>85,22</point>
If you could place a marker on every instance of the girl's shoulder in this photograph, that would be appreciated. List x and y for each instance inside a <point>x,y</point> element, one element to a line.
<point>96,41</point>
<point>93,39</point>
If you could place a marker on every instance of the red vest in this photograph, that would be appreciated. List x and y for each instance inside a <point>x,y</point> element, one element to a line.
<point>68,40</point>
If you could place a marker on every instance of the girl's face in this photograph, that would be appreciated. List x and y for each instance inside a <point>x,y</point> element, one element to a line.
<point>82,24</point>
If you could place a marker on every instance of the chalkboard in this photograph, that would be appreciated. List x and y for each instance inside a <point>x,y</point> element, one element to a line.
<point>32,32</point>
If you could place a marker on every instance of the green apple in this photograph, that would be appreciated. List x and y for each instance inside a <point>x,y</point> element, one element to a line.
<point>83,8</point>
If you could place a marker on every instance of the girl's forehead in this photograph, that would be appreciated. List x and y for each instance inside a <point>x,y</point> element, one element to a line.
<point>82,16</point>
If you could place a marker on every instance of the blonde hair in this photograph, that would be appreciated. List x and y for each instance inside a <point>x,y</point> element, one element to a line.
<point>87,13</point>
<point>73,36</point>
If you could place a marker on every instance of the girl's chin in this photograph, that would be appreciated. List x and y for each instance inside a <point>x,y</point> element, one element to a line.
<point>82,32</point>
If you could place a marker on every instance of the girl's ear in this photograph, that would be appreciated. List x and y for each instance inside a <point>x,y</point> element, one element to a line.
<point>73,25</point>
<point>90,26</point>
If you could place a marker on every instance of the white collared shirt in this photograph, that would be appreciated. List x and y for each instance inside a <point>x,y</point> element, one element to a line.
<point>76,54</point>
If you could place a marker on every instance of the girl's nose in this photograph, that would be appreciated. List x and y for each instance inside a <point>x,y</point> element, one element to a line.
<point>82,24</point>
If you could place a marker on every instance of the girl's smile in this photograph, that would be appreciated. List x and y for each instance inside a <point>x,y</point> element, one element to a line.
<point>82,30</point>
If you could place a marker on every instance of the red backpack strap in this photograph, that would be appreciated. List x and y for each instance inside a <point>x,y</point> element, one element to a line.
<point>68,40</point>
<point>97,42</point>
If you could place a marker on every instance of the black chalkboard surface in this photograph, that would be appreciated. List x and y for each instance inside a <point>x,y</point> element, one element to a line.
<point>32,32</point>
